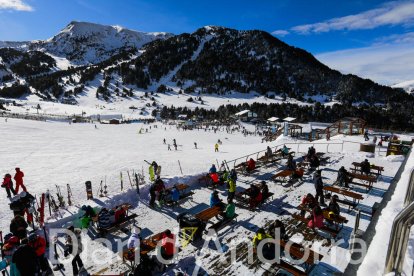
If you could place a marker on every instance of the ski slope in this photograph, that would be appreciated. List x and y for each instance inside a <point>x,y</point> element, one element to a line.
<point>55,153</point>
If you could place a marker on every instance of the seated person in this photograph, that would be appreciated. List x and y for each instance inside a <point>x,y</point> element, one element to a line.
<point>267,248</point>
<point>314,161</point>
<point>366,167</point>
<point>104,220</point>
<point>268,151</point>
<point>215,178</point>
<point>343,178</point>
<point>89,211</point>
<point>120,214</point>
<point>159,189</point>
<point>168,245</point>
<point>215,200</point>
<point>175,194</point>
<point>213,169</point>
<point>251,165</point>
<point>255,196</point>
<point>230,209</point>
<point>265,190</point>
<point>291,164</point>
<point>308,202</point>
<point>285,151</point>
<point>334,206</point>
<point>316,219</point>
<point>277,225</point>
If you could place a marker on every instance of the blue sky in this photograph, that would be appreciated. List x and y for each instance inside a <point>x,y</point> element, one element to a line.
<point>320,27</point>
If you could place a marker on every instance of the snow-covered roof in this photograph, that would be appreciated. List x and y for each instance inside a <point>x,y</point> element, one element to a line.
<point>242,112</point>
<point>289,119</point>
<point>182,116</point>
<point>273,119</point>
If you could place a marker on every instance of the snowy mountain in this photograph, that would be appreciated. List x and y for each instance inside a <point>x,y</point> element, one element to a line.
<point>406,85</point>
<point>88,43</point>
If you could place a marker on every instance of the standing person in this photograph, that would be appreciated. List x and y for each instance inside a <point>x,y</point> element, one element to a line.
<point>77,263</point>
<point>152,194</point>
<point>18,226</point>
<point>169,147</point>
<point>165,141</point>
<point>18,177</point>
<point>8,185</point>
<point>317,181</point>
<point>25,259</point>
<point>328,135</point>
<point>213,169</point>
<point>38,244</point>
<point>195,145</point>
<point>232,189</point>
<point>374,140</point>
<point>216,147</point>
<point>230,209</point>
<point>366,135</point>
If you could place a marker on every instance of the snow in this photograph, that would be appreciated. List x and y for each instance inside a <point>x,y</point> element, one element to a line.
<point>374,262</point>
<point>58,153</point>
<point>406,85</point>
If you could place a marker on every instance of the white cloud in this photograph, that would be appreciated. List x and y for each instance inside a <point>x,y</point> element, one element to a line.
<point>393,13</point>
<point>17,5</point>
<point>396,38</point>
<point>386,63</point>
<point>280,33</point>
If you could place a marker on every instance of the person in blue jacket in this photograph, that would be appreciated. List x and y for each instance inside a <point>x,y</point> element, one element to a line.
<point>213,169</point>
<point>215,200</point>
<point>175,194</point>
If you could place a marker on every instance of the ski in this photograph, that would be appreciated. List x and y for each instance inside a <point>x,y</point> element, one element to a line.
<point>105,187</point>
<point>42,211</point>
<point>122,182</point>
<point>69,194</point>
<point>89,194</point>
<point>137,183</point>
<point>101,189</point>
<point>130,182</point>
<point>60,197</point>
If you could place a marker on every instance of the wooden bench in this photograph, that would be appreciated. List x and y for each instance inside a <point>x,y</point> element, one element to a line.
<point>222,223</point>
<point>378,169</point>
<point>208,213</point>
<point>298,251</point>
<point>282,175</point>
<point>337,219</point>
<point>117,225</point>
<point>290,268</point>
<point>355,196</point>
<point>147,245</point>
<point>333,233</point>
<point>182,188</point>
<point>369,179</point>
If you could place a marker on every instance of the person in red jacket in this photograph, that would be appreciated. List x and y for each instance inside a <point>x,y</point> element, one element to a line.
<point>251,165</point>
<point>18,177</point>
<point>38,244</point>
<point>8,185</point>
<point>168,245</point>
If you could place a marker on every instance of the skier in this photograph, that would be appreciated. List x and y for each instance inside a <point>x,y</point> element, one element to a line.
<point>213,169</point>
<point>152,194</point>
<point>8,185</point>
<point>175,146</point>
<point>366,135</point>
<point>195,145</point>
<point>77,263</point>
<point>18,226</point>
<point>317,181</point>
<point>165,141</point>
<point>169,147</point>
<point>18,177</point>
<point>216,147</point>
<point>232,189</point>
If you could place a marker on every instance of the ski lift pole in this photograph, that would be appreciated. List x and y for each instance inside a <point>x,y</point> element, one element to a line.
<point>180,167</point>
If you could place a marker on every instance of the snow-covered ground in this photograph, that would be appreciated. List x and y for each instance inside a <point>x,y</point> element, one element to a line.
<point>53,153</point>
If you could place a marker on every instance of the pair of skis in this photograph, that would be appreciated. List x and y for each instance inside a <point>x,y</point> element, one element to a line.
<point>103,189</point>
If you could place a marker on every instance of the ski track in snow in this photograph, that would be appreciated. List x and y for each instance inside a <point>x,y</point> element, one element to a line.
<point>52,153</point>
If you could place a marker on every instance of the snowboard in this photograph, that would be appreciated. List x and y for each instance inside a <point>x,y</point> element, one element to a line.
<point>89,193</point>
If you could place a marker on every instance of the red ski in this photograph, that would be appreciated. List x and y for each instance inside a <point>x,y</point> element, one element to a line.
<point>42,211</point>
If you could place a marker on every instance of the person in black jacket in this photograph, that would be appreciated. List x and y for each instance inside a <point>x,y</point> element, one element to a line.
<point>25,259</point>
<point>18,226</point>
<point>317,181</point>
<point>366,167</point>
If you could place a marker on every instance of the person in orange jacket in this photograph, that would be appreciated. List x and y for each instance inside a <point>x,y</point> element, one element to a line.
<point>18,177</point>
<point>251,165</point>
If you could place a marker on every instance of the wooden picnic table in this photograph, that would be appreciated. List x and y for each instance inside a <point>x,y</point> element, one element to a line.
<point>379,169</point>
<point>149,244</point>
<point>324,228</point>
<point>368,178</point>
<point>299,251</point>
<point>180,187</point>
<point>208,213</point>
<point>283,174</point>
<point>336,218</point>
<point>355,196</point>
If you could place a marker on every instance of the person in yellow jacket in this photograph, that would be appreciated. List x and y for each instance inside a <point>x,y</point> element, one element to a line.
<point>232,188</point>
<point>216,147</point>
<point>260,235</point>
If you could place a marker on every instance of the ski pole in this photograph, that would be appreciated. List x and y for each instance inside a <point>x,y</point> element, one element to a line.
<point>180,166</point>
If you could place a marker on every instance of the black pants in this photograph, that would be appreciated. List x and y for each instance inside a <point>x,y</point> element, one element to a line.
<point>76,264</point>
<point>319,194</point>
<point>230,195</point>
<point>43,263</point>
<point>8,191</point>
<point>152,199</point>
